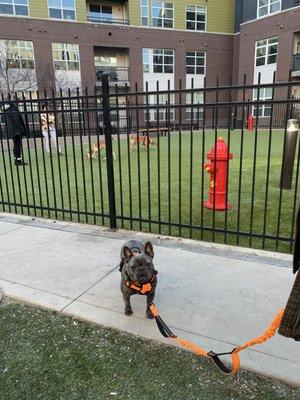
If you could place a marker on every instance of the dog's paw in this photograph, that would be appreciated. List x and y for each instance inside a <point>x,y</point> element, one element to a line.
<point>149,314</point>
<point>128,311</point>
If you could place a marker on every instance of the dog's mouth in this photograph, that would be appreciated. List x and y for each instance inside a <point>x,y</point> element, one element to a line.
<point>141,280</point>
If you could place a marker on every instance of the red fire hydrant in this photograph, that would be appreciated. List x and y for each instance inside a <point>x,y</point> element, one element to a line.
<point>217,168</point>
<point>250,123</point>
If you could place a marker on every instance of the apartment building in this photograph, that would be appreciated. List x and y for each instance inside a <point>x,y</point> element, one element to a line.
<point>267,42</point>
<point>70,43</point>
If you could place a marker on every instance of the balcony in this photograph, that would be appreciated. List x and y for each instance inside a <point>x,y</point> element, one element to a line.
<point>296,65</point>
<point>106,19</point>
<point>115,12</point>
<point>117,75</point>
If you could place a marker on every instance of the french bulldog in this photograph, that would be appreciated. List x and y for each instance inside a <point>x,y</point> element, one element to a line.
<point>137,268</point>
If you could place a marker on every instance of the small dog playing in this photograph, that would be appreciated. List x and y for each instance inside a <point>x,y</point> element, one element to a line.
<point>138,274</point>
<point>95,148</point>
<point>144,140</point>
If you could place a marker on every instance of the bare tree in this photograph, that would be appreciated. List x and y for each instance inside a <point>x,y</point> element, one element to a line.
<point>65,81</point>
<point>15,74</point>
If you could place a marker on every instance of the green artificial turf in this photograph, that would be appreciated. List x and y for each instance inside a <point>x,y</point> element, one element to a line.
<point>170,193</point>
<point>48,356</point>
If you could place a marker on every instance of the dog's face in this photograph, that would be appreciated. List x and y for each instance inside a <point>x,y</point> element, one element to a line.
<point>140,267</point>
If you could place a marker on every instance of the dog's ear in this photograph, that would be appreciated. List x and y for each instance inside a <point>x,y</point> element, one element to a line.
<point>127,253</point>
<point>149,249</point>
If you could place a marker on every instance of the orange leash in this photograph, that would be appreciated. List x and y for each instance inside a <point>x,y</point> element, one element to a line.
<point>235,359</point>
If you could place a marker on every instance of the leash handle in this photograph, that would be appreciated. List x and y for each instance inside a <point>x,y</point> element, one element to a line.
<point>235,359</point>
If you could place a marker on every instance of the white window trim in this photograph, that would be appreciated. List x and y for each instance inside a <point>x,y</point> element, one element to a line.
<point>148,15</point>
<point>31,59</point>
<point>18,16</point>
<point>163,64</point>
<point>67,70</point>
<point>204,66</point>
<point>266,55</point>
<point>195,109</point>
<point>262,97</point>
<point>269,7</point>
<point>160,27</point>
<point>62,19</point>
<point>205,23</point>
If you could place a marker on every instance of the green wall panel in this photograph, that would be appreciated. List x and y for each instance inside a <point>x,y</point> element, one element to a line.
<point>38,8</point>
<point>81,10</point>
<point>134,10</point>
<point>220,14</point>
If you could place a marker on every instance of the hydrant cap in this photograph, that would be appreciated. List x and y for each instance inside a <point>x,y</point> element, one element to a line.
<point>222,150</point>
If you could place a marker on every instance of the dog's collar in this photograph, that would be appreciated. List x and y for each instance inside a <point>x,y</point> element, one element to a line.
<point>146,288</point>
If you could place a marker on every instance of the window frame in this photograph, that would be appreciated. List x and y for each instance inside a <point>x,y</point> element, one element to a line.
<point>195,21</point>
<point>162,18</point>
<point>267,46</point>
<point>195,110</point>
<point>195,65</point>
<point>19,59</point>
<point>259,111</point>
<point>268,5</point>
<point>163,63</point>
<point>101,13</point>
<point>61,9</point>
<point>67,61</point>
<point>145,8</point>
<point>13,4</point>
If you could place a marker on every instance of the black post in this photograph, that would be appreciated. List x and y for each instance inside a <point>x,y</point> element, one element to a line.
<point>289,154</point>
<point>109,151</point>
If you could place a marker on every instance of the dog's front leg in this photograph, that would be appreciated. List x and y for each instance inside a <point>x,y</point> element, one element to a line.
<point>150,298</point>
<point>128,309</point>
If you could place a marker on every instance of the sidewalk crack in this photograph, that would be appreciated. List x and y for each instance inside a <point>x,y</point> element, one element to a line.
<point>89,288</point>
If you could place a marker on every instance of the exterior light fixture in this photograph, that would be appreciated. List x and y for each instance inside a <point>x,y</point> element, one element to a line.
<point>289,151</point>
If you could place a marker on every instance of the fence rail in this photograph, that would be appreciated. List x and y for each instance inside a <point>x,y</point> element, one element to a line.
<point>155,145</point>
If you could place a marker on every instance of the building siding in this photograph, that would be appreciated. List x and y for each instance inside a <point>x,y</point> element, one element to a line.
<point>38,8</point>
<point>220,14</point>
<point>81,14</point>
<point>246,10</point>
<point>287,4</point>
<point>134,12</point>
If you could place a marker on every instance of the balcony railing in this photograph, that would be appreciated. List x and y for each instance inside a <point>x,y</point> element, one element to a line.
<point>106,19</point>
<point>116,74</point>
<point>296,62</point>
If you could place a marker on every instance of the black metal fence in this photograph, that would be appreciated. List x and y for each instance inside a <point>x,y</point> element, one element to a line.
<point>135,160</point>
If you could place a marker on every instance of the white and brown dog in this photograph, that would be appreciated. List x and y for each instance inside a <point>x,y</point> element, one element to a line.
<point>97,147</point>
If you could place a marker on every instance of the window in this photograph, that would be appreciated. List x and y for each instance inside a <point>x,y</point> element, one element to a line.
<point>195,62</point>
<point>14,7</point>
<point>197,112</point>
<point>195,18</point>
<point>145,12</point>
<point>163,61</point>
<point>106,59</point>
<point>162,14</point>
<point>266,7</point>
<point>19,54</point>
<point>62,9</point>
<point>266,51</point>
<point>65,56</point>
<point>146,60</point>
<point>164,114</point>
<point>264,94</point>
<point>101,12</point>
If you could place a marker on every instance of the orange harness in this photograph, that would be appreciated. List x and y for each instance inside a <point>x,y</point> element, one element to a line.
<point>144,289</point>
<point>268,334</point>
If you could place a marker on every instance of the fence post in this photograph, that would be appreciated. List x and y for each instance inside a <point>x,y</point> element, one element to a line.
<point>109,151</point>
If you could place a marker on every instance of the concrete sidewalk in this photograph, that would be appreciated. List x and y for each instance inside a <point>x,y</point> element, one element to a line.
<point>217,296</point>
